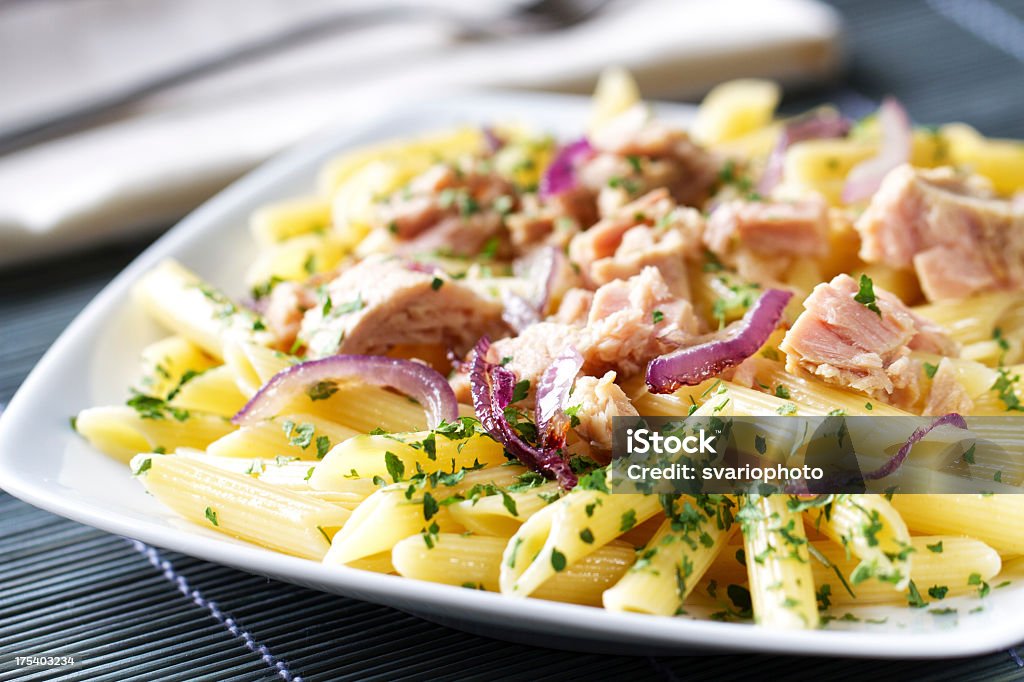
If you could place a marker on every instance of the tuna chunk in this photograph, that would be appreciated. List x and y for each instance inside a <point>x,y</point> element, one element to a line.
<point>783,228</point>
<point>636,154</point>
<point>596,402</point>
<point>381,303</point>
<point>949,229</point>
<point>947,394</point>
<point>448,208</point>
<point>842,341</point>
<point>288,302</point>
<point>650,231</point>
<point>554,221</point>
<point>621,331</point>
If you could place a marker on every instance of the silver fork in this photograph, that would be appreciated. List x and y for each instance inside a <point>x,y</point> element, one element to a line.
<point>534,16</point>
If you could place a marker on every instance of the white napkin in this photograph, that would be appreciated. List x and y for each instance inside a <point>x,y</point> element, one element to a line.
<point>155,162</point>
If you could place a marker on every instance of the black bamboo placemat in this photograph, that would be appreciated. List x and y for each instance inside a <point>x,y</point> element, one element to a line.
<point>127,611</point>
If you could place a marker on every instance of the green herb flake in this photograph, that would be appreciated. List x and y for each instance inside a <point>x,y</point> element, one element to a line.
<point>866,295</point>
<point>394,465</point>
<point>211,516</point>
<point>558,561</point>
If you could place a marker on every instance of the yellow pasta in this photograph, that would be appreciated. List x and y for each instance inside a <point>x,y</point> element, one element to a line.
<point>493,515</point>
<point>366,456</point>
<point>167,362</point>
<point>183,303</point>
<point>240,505</point>
<point>671,564</point>
<point>214,391</point>
<point>283,220</point>
<point>122,432</point>
<point>989,518</point>
<point>566,531</point>
<point>474,561</point>
<point>295,259</point>
<point>869,527</point>
<point>298,436</point>
<point>778,568</point>
<point>942,561</point>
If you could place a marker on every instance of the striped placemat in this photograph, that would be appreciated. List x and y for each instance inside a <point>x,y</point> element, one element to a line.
<point>126,611</point>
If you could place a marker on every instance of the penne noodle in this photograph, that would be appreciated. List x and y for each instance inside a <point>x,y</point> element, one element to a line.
<point>778,568</point>
<point>123,432</point>
<point>239,505</point>
<point>183,303</point>
<point>671,564</point>
<point>985,517</point>
<point>474,561</point>
<point>566,531</point>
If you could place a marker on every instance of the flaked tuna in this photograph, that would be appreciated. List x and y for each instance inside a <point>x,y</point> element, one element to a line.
<point>381,303</point>
<point>957,237</point>
<point>860,344</point>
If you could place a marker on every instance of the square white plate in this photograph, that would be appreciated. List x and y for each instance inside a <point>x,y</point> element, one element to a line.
<point>46,464</point>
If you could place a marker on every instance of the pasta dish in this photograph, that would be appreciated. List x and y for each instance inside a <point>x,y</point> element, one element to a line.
<point>426,374</point>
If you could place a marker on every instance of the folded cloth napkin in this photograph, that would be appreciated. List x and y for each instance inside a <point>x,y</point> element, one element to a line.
<point>155,160</point>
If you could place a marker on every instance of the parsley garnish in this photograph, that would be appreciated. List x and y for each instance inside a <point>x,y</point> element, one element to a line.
<point>936,548</point>
<point>866,295</point>
<point>657,316</point>
<point>322,390</point>
<point>394,465</point>
<point>930,369</point>
<point>558,561</point>
<point>211,516</point>
<point>436,283</point>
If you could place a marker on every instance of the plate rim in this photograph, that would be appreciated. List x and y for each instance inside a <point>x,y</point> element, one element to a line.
<point>684,634</point>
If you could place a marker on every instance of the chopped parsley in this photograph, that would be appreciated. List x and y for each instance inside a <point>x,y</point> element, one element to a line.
<point>522,388</point>
<point>299,435</point>
<point>930,369</point>
<point>587,536</point>
<point>782,392</point>
<point>322,390</point>
<point>394,465</point>
<point>938,591</point>
<point>323,446</point>
<point>936,548</point>
<point>211,516</point>
<point>1004,387</point>
<point>558,561</point>
<point>914,598</point>
<point>144,466</point>
<point>786,409</point>
<point>866,295</point>
<point>436,283</point>
<point>628,520</point>
<point>657,316</point>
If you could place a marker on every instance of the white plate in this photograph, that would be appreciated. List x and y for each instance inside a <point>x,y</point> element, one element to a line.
<point>44,463</point>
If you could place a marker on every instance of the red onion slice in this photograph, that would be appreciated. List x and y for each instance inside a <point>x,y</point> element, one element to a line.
<point>553,389</point>
<point>893,465</point>
<point>560,176</point>
<point>897,137</point>
<point>492,386</point>
<point>414,379</point>
<point>517,312</point>
<point>541,268</point>
<point>692,365</point>
<point>819,125</point>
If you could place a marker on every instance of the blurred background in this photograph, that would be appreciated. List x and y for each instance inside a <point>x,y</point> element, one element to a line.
<point>117,117</point>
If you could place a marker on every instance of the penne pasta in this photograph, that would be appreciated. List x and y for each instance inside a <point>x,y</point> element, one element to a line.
<point>778,568</point>
<point>239,505</point>
<point>122,432</point>
<point>474,561</point>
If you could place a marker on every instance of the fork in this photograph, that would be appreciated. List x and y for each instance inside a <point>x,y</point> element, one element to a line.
<point>533,16</point>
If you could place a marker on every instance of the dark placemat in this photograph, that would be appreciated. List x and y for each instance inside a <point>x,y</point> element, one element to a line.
<point>127,611</point>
